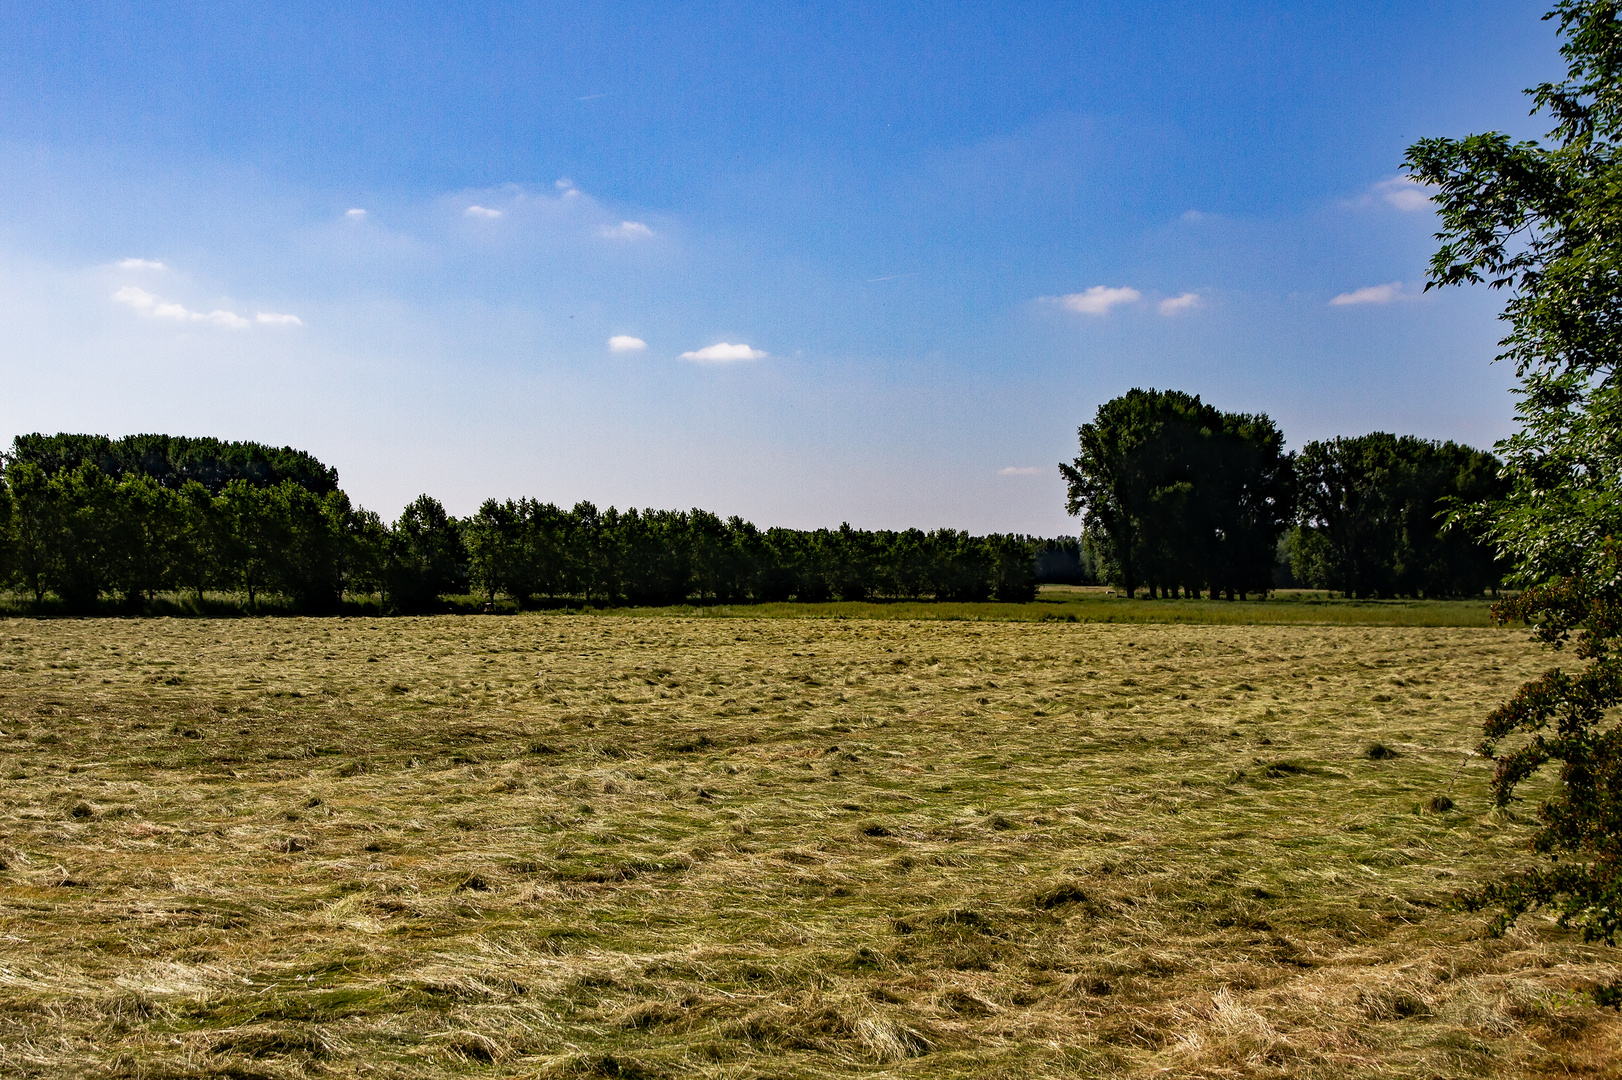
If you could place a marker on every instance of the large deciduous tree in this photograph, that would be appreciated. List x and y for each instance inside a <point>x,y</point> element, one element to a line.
<point>1544,223</point>
<point>1180,495</point>
<point>1372,510</point>
<point>428,556</point>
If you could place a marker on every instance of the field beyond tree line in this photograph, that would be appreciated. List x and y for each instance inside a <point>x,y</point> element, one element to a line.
<point>576,845</point>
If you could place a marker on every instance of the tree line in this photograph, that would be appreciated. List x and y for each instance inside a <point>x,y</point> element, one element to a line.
<point>88,520</point>
<point>1179,498</point>
<point>1182,499</point>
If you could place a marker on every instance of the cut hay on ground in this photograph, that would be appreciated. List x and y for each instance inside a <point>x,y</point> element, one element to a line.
<point>590,846</point>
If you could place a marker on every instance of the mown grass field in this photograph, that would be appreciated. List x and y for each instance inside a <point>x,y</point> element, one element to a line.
<point>1092,604</point>
<point>567,845</point>
<point>1054,603</point>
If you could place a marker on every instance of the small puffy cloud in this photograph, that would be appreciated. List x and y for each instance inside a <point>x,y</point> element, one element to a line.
<point>141,264</point>
<point>723,353</point>
<point>1096,300</point>
<point>149,305</point>
<point>626,343</point>
<point>481,212</point>
<point>139,299</point>
<point>1405,193</point>
<point>566,186</point>
<point>1400,192</point>
<point>1172,305</point>
<point>272,318</point>
<point>1370,294</point>
<point>627,230</point>
<point>354,213</point>
<point>1019,470</point>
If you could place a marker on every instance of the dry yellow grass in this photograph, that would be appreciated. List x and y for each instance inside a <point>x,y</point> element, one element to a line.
<point>587,846</point>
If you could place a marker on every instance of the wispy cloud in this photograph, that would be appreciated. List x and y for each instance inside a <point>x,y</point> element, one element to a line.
<point>141,264</point>
<point>1172,305</point>
<point>1405,193</point>
<point>723,353</point>
<point>154,307</point>
<point>626,230</point>
<point>481,212</point>
<point>1401,192</point>
<point>1019,470</point>
<point>354,213</point>
<point>626,343</point>
<point>566,186</point>
<point>1097,300</point>
<point>1370,294</point>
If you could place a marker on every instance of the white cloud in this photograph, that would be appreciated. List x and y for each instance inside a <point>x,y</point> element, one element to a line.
<point>723,353</point>
<point>141,264</point>
<point>149,305</point>
<point>139,299</point>
<point>1096,300</point>
<point>1186,302</point>
<point>1370,294</point>
<point>1196,215</point>
<point>354,213</point>
<point>1405,193</point>
<point>482,212</point>
<point>566,186</point>
<point>627,230</point>
<point>626,343</point>
<point>1019,470</point>
<point>274,319</point>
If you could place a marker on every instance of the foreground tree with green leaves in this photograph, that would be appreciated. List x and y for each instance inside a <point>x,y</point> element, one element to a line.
<point>1545,223</point>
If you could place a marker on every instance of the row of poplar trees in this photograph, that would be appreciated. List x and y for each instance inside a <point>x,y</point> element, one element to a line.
<point>1181,498</point>
<point>85,519</point>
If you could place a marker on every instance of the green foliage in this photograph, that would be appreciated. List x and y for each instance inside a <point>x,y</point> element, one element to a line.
<point>1372,517</point>
<point>536,552</point>
<point>85,505</point>
<point>1561,716</point>
<point>1545,223</point>
<point>173,461</point>
<point>1180,495</point>
<point>427,556</point>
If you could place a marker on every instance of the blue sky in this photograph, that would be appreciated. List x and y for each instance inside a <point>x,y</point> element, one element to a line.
<point>806,263</point>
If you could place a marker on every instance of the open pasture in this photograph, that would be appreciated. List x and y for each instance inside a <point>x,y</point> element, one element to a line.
<point>1091,603</point>
<point>621,847</point>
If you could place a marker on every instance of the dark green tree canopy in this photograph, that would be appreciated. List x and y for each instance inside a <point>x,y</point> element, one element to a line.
<point>1182,495</point>
<point>1372,508</point>
<point>172,460</point>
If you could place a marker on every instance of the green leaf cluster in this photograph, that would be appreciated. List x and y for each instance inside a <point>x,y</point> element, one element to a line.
<point>1544,223</point>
